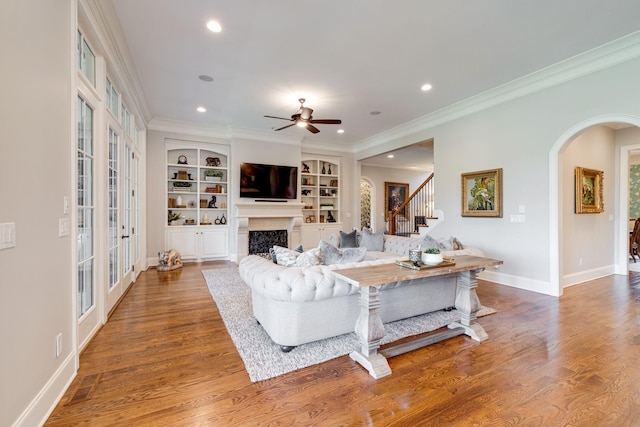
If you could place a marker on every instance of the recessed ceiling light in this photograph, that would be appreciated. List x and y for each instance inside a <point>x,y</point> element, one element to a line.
<point>340,130</point>
<point>426,87</point>
<point>374,113</point>
<point>214,26</point>
<point>390,156</point>
<point>201,110</point>
<point>205,78</point>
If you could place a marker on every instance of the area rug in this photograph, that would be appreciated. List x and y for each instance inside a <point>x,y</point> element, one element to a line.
<point>263,359</point>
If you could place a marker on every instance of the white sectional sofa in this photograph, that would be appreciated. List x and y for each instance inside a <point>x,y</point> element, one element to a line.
<point>297,305</point>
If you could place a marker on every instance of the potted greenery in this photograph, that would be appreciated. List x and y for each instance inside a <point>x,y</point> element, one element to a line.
<point>213,175</point>
<point>431,256</point>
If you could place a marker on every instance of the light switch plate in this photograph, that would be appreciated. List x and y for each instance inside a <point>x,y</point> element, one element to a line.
<point>7,235</point>
<point>63,227</point>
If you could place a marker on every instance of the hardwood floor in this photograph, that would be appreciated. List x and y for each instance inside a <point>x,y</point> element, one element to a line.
<point>165,359</point>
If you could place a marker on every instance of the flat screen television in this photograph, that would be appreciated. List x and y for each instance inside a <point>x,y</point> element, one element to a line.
<point>258,181</point>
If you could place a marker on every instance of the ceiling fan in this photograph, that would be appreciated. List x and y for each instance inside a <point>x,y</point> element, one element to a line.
<point>303,118</point>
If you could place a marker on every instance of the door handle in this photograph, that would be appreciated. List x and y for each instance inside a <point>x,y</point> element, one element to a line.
<point>125,237</point>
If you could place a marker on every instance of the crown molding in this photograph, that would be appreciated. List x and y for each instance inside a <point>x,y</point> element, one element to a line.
<point>596,59</point>
<point>262,136</point>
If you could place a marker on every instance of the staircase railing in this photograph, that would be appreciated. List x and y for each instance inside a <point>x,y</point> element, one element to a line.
<point>414,212</point>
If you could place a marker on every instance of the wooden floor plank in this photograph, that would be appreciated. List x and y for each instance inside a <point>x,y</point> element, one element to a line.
<point>165,358</point>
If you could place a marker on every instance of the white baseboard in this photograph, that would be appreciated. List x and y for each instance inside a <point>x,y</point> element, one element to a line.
<point>41,407</point>
<point>584,276</point>
<point>518,282</point>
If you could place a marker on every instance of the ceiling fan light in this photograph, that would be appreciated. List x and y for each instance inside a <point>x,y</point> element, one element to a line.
<point>301,124</point>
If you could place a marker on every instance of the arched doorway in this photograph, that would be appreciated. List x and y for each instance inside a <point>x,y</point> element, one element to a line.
<point>556,197</point>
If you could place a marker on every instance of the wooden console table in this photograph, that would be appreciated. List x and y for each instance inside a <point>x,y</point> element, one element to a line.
<point>369,326</point>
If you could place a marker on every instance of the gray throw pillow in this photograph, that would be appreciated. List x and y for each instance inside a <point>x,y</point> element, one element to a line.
<point>372,241</point>
<point>272,252</point>
<point>348,240</point>
<point>332,255</point>
<point>429,243</point>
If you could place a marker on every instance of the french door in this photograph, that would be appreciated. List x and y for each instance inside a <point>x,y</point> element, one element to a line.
<point>121,198</point>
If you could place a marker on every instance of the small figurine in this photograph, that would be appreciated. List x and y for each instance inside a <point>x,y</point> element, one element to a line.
<point>212,202</point>
<point>330,217</point>
<point>305,168</point>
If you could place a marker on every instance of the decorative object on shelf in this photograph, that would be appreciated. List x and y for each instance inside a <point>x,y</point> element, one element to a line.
<point>212,202</point>
<point>431,256</point>
<point>179,201</point>
<point>330,217</point>
<point>182,160</point>
<point>213,175</point>
<point>223,205</point>
<point>589,191</point>
<point>169,260</point>
<point>213,161</point>
<point>192,204</point>
<point>173,217</point>
<point>311,218</point>
<point>171,203</point>
<point>482,193</point>
<point>305,168</point>
<point>321,218</point>
<point>205,220</point>
<point>189,221</point>
<point>204,203</point>
<point>223,220</point>
<point>333,183</point>
<point>305,192</point>
<point>329,171</point>
<point>217,221</point>
<point>323,170</point>
<point>182,186</point>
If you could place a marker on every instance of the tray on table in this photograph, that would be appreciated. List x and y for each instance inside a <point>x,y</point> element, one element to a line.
<point>446,262</point>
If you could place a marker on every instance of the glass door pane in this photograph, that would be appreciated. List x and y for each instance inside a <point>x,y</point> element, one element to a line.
<point>113,191</point>
<point>86,209</point>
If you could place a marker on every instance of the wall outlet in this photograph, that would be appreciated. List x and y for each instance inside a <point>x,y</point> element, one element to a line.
<point>58,345</point>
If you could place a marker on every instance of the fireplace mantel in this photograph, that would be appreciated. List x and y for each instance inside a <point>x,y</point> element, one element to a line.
<point>267,216</point>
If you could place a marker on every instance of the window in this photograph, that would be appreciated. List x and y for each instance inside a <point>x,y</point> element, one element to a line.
<point>113,99</point>
<point>86,60</point>
<point>86,208</point>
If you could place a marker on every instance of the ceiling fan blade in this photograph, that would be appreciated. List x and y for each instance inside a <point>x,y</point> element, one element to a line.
<point>326,121</point>
<point>281,118</point>
<point>312,128</point>
<point>287,126</point>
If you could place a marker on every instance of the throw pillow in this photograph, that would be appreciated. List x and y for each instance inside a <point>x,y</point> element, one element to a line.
<point>329,254</point>
<point>372,241</point>
<point>285,256</point>
<point>309,258</point>
<point>272,252</point>
<point>348,240</point>
<point>429,243</point>
<point>457,244</point>
<point>445,244</point>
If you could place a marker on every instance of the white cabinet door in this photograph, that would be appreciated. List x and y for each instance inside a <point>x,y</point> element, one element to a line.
<point>214,242</point>
<point>184,240</point>
<point>312,234</point>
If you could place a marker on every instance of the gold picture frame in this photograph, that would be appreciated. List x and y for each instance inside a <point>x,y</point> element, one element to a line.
<point>589,191</point>
<point>482,193</point>
<point>395,194</point>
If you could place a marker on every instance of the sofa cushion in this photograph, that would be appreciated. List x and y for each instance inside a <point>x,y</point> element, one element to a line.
<point>348,240</point>
<point>308,258</point>
<point>429,242</point>
<point>285,256</point>
<point>272,252</point>
<point>329,254</point>
<point>372,241</point>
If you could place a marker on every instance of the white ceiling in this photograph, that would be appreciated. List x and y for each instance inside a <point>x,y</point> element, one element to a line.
<point>349,58</point>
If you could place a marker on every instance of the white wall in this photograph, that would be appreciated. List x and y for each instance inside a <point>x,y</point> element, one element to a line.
<point>585,236</point>
<point>378,176</point>
<point>35,163</point>
<point>518,136</point>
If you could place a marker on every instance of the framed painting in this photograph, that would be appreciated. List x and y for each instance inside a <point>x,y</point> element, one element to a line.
<point>395,194</point>
<point>589,191</point>
<point>482,193</point>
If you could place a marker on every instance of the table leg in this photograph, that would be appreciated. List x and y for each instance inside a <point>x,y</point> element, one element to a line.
<point>370,330</point>
<point>468,304</point>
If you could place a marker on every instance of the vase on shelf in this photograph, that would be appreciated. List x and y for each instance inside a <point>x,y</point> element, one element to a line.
<point>323,170</point>
<point>329,169</point>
